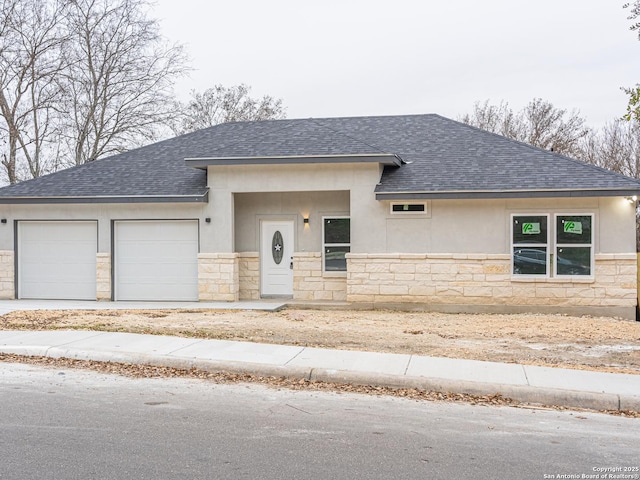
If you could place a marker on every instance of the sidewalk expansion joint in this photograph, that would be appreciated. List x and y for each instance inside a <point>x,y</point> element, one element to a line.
<point>97,334</point>
<point>524,370</point>
<point>406,369</point>
<point>294,357</point>
<point>195,342</point>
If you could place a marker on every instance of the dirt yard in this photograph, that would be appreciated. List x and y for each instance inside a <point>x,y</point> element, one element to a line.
<point>604,344</point>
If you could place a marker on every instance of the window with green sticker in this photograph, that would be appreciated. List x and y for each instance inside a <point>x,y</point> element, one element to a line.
<point>530,240</point>
<point>529,229</point>
<point>574,245</point>
<point>561,248</point>
<point>571,229</point>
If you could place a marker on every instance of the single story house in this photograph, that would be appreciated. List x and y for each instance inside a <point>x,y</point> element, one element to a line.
<point>414,210</point>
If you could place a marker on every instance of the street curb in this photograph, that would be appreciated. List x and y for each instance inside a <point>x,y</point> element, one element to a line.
<point>518,393</point>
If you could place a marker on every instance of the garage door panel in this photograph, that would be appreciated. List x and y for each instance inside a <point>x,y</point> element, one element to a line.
<point>57,260</point>
<point>156,260</point>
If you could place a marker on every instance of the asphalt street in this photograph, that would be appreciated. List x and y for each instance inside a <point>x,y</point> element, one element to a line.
<point>69,424</point>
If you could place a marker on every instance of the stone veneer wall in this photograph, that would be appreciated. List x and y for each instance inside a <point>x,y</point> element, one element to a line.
<point>310,283</point>
<point>7,275</point>
<point>460,279</point>
<point>103,276</point>
<point>249,275</point>
<point>218,277</point>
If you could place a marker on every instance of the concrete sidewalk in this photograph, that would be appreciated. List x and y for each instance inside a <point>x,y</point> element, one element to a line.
<point>524,383</point>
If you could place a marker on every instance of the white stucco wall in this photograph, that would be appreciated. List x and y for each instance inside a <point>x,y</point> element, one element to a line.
<point>251,208</point>
<point>449,226</point>
<point>483,226</point>
<point>357,178</point>
<point>103,213</point>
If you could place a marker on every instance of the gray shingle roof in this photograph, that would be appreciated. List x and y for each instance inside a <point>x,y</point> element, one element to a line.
<point>443,158</point>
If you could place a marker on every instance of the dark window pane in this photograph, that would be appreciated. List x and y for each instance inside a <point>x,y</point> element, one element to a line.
<point>408,207</point>
<point>573,229</point>
<point>529,229</point>
<point>529,261</point>
<point>573,260</point>
<point>334,259</point>
<point>336,230</point>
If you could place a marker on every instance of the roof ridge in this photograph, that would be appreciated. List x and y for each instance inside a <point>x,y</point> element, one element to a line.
<point>540,149</point>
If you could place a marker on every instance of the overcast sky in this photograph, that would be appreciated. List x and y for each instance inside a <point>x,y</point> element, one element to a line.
<point>368,57</point>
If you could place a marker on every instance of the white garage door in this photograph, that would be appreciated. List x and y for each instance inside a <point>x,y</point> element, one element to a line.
<point>57,260</point>
<point>156,260</point>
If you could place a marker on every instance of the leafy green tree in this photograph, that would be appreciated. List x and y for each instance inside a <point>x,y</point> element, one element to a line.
<point>634,13</point>
<point>633,107</point>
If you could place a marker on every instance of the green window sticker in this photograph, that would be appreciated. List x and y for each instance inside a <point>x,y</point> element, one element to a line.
<point>573,227</point>
<point>531,228</point>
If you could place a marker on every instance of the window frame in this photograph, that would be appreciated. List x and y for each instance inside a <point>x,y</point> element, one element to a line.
<point>409,212</point>
<point>325,245</point>
<point>590,245</point>
<point>547,245</point>
<point>552,245</point>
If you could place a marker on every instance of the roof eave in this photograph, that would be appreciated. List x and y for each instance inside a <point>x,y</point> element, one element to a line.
<point>18,200</point>
<point>387,159</point>
<point>479,194</point>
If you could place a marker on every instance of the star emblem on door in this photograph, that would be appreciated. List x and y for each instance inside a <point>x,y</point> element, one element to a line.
<point>277,247</point>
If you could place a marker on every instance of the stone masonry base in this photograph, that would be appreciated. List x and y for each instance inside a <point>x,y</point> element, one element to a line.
<point>103,276</point>
<point>7,275</point>
<point>249,275</point>
<point>309,282</point>
<point>486,281</point>
<point>472,283</point>
<point>218,277</point>
<point>312,284</point>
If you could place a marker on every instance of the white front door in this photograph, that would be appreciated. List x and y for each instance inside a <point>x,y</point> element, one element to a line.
<point>276,258</point>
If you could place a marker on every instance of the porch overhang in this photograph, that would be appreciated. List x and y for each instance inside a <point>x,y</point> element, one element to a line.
<point>385,159</point>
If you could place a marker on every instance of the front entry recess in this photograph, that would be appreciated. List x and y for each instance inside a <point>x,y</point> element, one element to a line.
<point>276,258</point>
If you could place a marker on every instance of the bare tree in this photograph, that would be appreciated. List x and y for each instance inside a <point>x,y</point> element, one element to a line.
<point>498,119</point>
<point>119,84</point>
<point>225,104</point>
<point>31,43</point>
<point>615,147</point>
<point>539,124</point>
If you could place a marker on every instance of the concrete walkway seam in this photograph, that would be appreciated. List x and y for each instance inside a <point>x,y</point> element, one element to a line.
<point>519,393</point>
